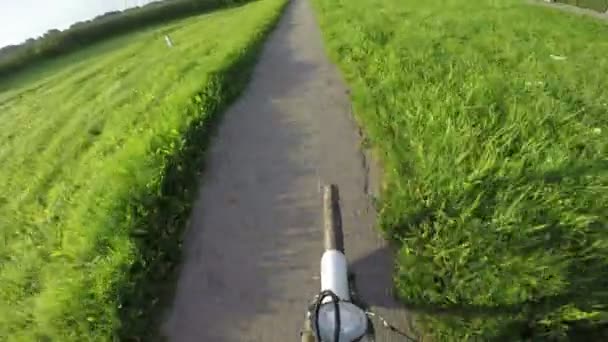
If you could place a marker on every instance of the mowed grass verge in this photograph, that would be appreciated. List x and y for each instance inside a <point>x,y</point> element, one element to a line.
<point>491,119</point>
<point>99,153</point>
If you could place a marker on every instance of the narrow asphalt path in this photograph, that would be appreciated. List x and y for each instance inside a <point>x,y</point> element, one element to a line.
<point>253,248</point>
<point>571,8</point>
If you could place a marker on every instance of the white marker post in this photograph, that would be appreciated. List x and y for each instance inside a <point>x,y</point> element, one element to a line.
<point>168,41</point>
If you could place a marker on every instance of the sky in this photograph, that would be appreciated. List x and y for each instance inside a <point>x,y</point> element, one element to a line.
<point>23,19</point>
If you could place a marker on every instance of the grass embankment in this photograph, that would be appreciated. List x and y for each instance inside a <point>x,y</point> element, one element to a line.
<point>54,43</point>
<point>491,119</point>
<point>99,152</point>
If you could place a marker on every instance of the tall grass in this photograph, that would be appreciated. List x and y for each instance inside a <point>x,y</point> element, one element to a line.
<point>491,119</point>
<point>99,155</point>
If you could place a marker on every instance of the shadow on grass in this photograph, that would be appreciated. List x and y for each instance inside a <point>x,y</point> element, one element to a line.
<point>521,319</point>
<point>163,216</point>
<point>573,170</point>
<point>586,282</point>
<point>371,279</point>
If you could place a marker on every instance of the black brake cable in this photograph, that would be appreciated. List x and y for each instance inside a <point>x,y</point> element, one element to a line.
<point>390,326</point>
<point>318,303</point>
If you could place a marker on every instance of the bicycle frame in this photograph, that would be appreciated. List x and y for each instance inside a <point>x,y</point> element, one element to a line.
<point>348,321</point>
<point>334,267</point>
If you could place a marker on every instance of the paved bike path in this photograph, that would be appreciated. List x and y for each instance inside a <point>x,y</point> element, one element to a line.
<point>252,251</point>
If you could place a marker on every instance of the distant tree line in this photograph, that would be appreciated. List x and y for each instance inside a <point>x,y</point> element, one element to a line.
<point>55,42</point>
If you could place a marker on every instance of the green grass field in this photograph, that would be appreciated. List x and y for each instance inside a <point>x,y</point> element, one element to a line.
<point>97,150</point>
<point>491,120</point>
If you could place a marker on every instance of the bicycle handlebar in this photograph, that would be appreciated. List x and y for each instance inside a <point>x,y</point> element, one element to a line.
<point>307,334</point>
